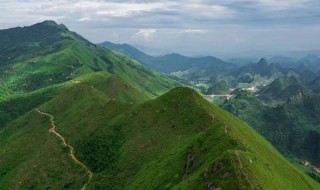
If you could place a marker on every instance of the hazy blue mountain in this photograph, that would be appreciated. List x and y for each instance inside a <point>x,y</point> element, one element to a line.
<point>168,63</point>
<point>262,68</point>
<point>241,61</point>
<point>80,116</point>
<point>284,61</point>
<point>306,62</point>
<point>282,88</point>
<point>310,61</point>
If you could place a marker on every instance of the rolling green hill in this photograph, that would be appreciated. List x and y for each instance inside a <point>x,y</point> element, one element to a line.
<point>202,145</point>
<point>46,62</point>
<point>36,60</point>
<point>69,109</point>
<point>177,141</point>
<point>26,142</point>
<point>61,55</point>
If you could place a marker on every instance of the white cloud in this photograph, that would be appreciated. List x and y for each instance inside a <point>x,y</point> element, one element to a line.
<point>19,12</point>
<point>84,19</point>
<point>282,4</point>
<point>146,34</point>
<point>114,9</point>
<point>181,23</point>
<point>212,11</point>
<point>128,9</point>
<point>194,31</point>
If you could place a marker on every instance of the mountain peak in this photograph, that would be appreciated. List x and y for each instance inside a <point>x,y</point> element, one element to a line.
<point>262,61</point>
<point>174,55</point>
<point>182,91</point>
<point>51,23</point>
<point>181,95</point>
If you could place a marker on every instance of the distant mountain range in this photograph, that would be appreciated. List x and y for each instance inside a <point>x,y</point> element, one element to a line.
<point>307,62</point>
<point>288,79</point>
<point>263,68</point>
<point>286,112</point>
<point>168,63</point>
<point>280,82</point>
<point>75,115</point>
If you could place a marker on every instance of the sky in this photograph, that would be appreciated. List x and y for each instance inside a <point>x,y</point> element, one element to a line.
<point>190,27</point>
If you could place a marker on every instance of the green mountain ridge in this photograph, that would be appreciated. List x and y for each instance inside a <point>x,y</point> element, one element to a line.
<point>123,122</point>
<point>32,74</point>
<point>72,56</point>
<point>279,100</point>
<point>133,147</point>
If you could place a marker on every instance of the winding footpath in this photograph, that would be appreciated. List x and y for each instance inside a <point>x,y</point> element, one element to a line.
<point>241,167</point>
<point>71,153</point>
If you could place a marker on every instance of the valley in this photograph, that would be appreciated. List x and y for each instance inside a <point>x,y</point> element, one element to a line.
<point>277,99</point>
<point>76,115</point>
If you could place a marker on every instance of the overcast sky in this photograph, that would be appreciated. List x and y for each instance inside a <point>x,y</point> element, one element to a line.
<point>188,26</point>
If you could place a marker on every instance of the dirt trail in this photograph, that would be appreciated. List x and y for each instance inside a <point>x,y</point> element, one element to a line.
<point>241,167</point>
<point>71,153</point>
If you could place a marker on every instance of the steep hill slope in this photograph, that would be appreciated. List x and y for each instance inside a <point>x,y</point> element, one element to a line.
<point>71,92</point>
<point>26,143</point>
<point>208,147</point>
<point>63,57</point>
<point>177,141</point>
<point>35,60</point>
<point>296,125</point>
<point>292,127</point>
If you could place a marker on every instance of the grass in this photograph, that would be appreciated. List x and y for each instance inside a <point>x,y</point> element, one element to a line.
<point>292,127</point>
<point>45,62</point>
<point>155,138</point>
<point>98,99</point>
<point>31,158</point>
<point>26,143</point>
<point>141,147</point>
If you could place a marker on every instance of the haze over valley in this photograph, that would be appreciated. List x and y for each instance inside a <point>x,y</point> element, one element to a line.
<point>213,95</point>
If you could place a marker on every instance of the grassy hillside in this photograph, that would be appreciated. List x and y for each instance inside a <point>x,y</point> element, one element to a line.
<point>99,101</point>
<point>26,142</point>
<point>37,60</point>
<point>74,57</point>
<point>32,158</point>
<point>292,127</point>
<point>84,85</point>
<point>178,141</point>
